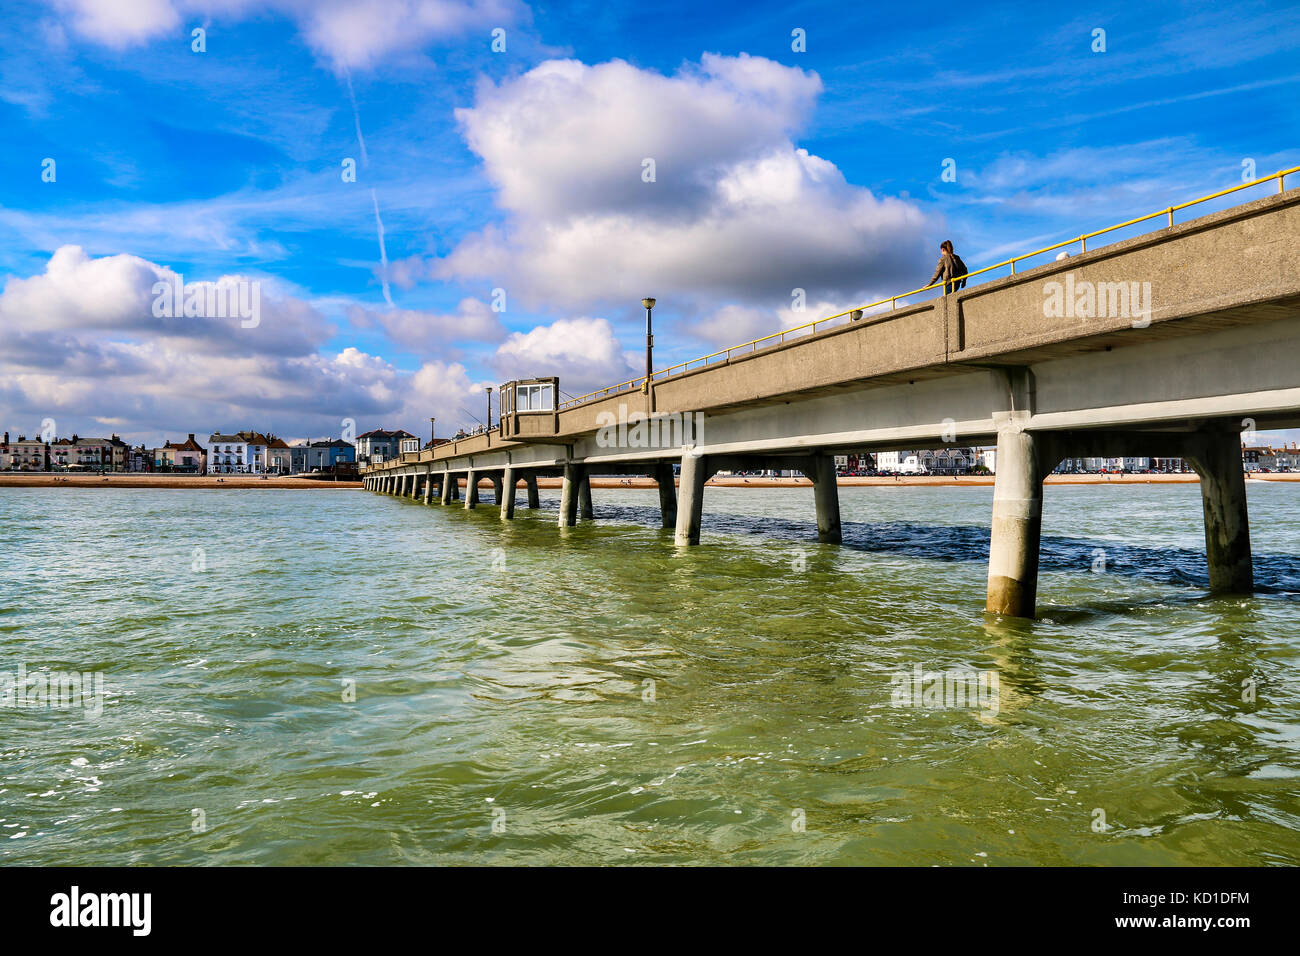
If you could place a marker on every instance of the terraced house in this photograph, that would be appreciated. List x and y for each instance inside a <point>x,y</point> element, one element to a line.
<point>187,456</point>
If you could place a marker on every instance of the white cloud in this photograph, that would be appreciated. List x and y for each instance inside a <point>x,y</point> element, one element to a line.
<point>737,211</point>
<point>120,23</point>
<point>423,332</point>
<point>736,324</point>
<point>114,294</point>
<point>84,348</point>
<point>583,352</point>
<point>351,34</point>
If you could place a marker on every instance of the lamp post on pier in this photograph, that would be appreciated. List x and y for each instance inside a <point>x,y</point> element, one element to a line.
<point>649,304</point>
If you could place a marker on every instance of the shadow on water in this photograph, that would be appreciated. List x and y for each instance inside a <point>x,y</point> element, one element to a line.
<point>1277,574</point>
<point>1274,573</point>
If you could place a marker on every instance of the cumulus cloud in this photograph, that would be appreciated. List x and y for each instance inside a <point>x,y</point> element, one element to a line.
<point>351,34</point>
<point>583,352</point>
<point>734,324</point>
<point>84,347</point>
<point>736,211</point>
<point>116,293</point>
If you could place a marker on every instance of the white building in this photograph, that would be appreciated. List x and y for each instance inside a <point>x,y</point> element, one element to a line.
<point>227,455</point>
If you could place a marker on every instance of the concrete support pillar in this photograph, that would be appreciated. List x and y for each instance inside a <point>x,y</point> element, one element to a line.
<point>1217,460</point>
<point>1017,525</point>
<point>663,475</point>
<point>569,495</point>
<point>827,495</point>
<point>690,504</point>
<point>471,490</point>
<point>506,497</point>
<point>428,485</point>
<point>455,487</point>
<point>584,496</point>
<point>534,500</point>
<point>496,489</point>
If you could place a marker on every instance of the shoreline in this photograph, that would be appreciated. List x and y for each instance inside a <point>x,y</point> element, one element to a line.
<point>213,482</point>
<point>45,479</point>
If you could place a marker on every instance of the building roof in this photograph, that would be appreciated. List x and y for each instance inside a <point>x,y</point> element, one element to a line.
<point>254,438</point>
<point>188,445</point>
<point>383,435</point>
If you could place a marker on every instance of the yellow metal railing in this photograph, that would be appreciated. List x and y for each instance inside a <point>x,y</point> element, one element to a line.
<point>892,301</point>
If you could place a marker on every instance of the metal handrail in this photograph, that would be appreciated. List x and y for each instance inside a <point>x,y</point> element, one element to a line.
<point>752,345</point>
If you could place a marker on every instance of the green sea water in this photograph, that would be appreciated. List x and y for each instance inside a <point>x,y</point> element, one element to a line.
<point>526,694</point>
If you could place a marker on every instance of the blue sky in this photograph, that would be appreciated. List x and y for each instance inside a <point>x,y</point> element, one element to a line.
<point>521,171</point>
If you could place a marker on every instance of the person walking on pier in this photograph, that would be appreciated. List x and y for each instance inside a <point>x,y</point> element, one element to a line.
<point>950,267</point>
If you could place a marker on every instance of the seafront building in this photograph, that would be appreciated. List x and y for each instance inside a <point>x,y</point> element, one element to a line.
<point>244,452</point>
<point>322,455</point>
<point>80,454</point>
<point>25,454</point>
<point>227,454</point>
<point>279,458</point>
<point>188,457</point>
<point>1288,458</point>
<point>380,445</point>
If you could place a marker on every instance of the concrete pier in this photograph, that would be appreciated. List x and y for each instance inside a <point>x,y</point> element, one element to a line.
<point>690,499</point>
<point>471,490</point>
<point>586,512</point>
<point>506,494</point>
<point>1178,371</point>
<point>664,478</point>
<point>1017,524</point>
<point>569,495</point>
<point>826,494</point>
<point>1217,459</point>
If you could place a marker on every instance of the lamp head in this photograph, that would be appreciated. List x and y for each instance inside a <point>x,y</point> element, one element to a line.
<point>648,303</point>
